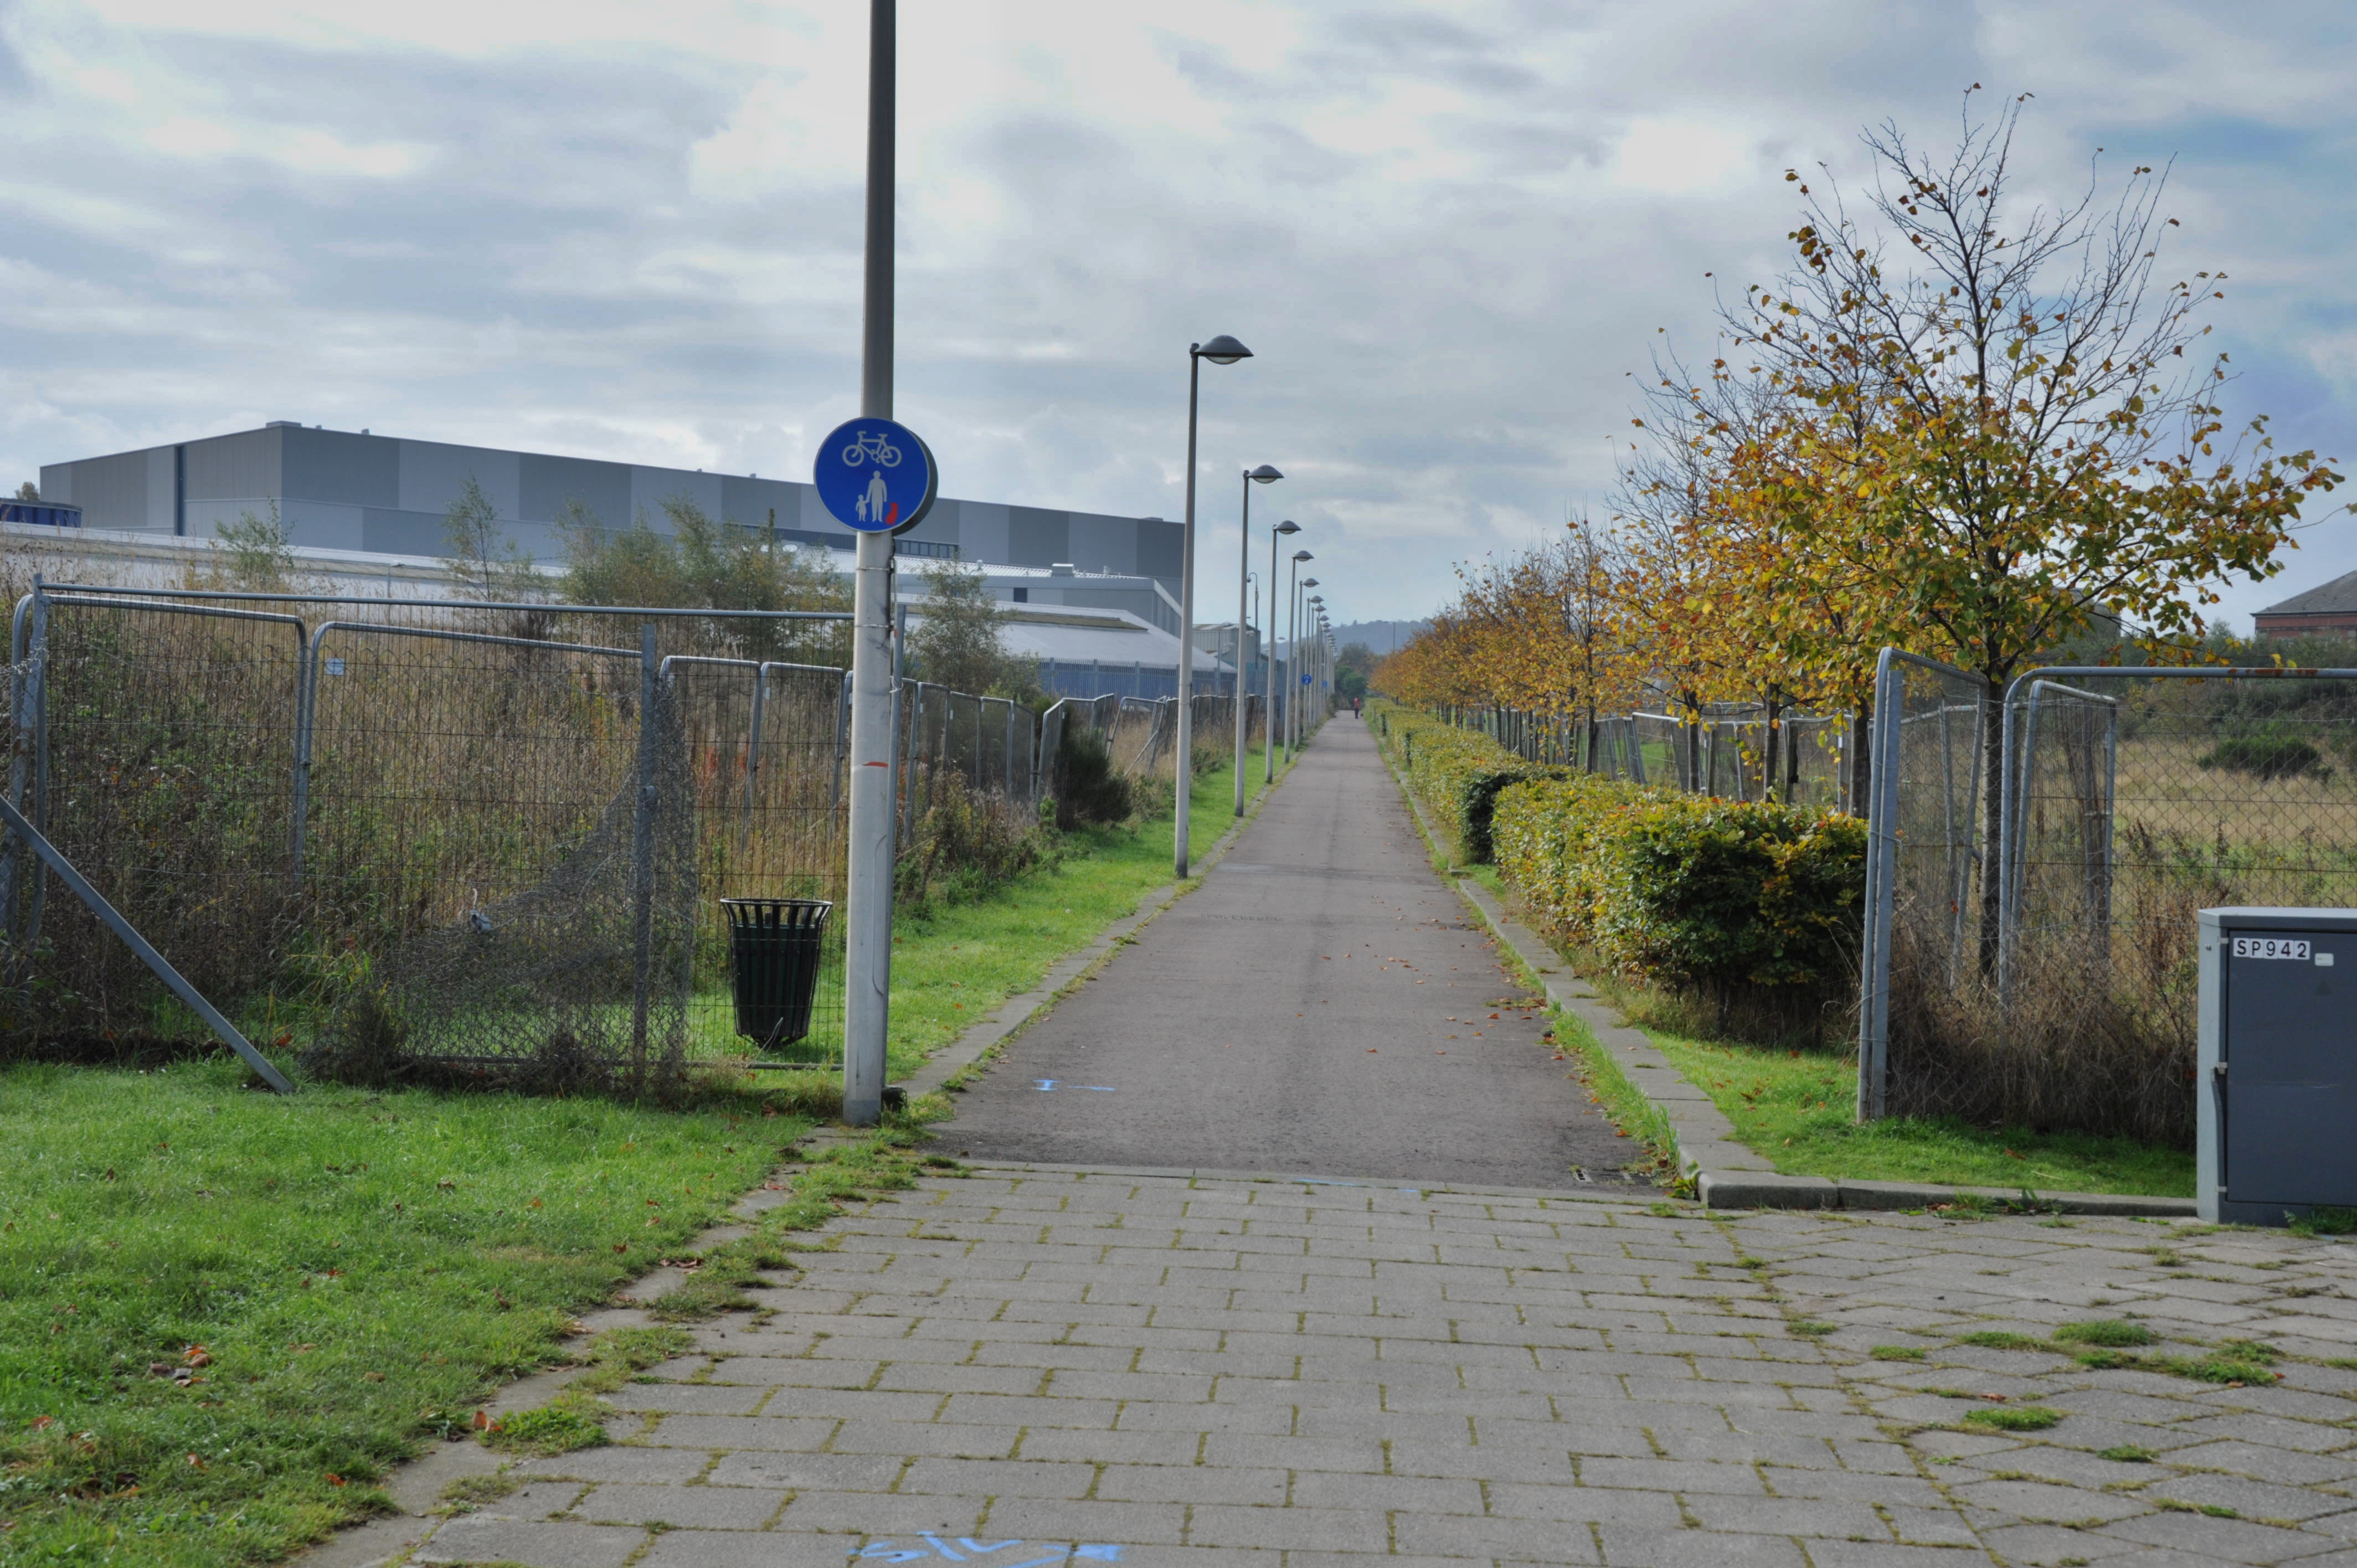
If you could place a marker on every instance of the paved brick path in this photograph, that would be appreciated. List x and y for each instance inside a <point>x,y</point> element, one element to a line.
<point>1047,1367</point>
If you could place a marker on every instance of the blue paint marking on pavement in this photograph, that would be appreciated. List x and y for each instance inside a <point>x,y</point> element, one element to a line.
<point>887,1552</point>
<point>1047,1085</point>
<point>1050,1086</point>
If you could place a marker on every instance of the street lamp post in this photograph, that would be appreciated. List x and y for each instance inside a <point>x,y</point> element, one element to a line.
<point>1308,667</point>
<point>1293,657</point>
<point>1221,350</point>
<point>867,893</point>
<point>1268,676</point>
<point>1318,647</point>
<point>1264,475</point>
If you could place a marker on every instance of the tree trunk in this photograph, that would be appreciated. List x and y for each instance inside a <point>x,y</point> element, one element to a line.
<point>1860,782</point>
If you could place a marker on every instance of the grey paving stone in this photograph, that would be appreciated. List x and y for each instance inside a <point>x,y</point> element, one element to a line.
<point>476,1538</point>
<point>686,1507</point>
<point>1672,1548</point>
<point>620,1463</point>
<point>1292,1529</point>
<point>775,1549</point>
<point>1000,1477</point>
<point>817,1472</point>
<point>1185,1482</point>
<point>2221,1539</point>
<point>2250,1499</point>
<point>951,1439</point>
<point>711,1431</point>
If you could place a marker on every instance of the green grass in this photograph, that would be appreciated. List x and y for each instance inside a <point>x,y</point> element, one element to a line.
<point>359,1269</point>
<point>2014,1417</point>
<point>224,1315</point>
<point>1798,1109</point>
<point>2112,1333</point>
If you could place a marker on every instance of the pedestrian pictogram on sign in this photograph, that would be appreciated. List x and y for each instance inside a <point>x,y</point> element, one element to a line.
<point>876,476</point>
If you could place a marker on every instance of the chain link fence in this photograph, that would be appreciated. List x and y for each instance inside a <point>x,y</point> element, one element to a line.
<point>474,842</point>
<point>1734,751</point>
<point>2029,952</point>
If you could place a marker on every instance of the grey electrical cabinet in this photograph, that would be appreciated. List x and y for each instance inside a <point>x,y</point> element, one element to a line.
<point>2276,1093</point>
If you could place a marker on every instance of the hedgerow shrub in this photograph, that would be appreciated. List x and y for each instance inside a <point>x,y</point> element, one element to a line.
<point>1455,772</point>
<point>1755,907</point>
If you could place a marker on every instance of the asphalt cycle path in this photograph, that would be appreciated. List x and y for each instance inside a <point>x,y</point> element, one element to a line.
<point>1324,1005</point>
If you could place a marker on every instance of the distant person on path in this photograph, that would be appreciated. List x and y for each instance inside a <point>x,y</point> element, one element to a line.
<point>1354,708</point>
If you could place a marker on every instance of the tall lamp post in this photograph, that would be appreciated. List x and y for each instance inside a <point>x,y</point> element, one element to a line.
<point>1318,647</point>
<point>1293,659</point>
<point>1264,475</point>
<point>1268,676</point>
<point>867,893</point>
<point>1221,350</point>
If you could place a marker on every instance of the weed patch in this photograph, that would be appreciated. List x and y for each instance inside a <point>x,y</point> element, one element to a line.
<point>2014,1417</point>
<point>2110,1332</point>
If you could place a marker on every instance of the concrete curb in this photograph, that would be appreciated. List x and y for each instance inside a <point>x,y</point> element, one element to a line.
<point>1598,1192</point>
<point>1725,1173</point>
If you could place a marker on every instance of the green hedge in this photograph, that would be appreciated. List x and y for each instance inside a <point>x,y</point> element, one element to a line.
<point>1455,772</point>
<point>1692,893</point>
<point>1730,900</point>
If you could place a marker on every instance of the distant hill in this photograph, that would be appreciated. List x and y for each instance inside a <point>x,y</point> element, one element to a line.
<point>1382,636</point>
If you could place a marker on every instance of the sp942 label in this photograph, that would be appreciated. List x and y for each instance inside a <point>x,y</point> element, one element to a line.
<point>2292,948</point>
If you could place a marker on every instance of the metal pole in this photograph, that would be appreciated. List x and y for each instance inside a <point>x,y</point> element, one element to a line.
<point>868,925</point>
<point>1185,755</point>
<point>81,888</point>
<point>1268,675</point>
<point>753,754</point>
<point>642,862</point>
<point>1293,661</point>
<point>1243,591</point>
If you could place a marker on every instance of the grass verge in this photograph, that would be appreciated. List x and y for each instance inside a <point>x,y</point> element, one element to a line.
<point>224,1315</point>
<point>1797,1107</point>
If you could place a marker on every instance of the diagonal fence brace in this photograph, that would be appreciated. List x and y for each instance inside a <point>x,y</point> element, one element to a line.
<point>73,879</point>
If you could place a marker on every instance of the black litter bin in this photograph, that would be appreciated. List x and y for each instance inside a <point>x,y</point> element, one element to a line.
<point>775,945</point>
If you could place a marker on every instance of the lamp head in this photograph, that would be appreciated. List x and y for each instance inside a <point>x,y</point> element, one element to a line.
<point>1289,526</point>
<point>1264,475</point>
<point>1223,350</point>
<point>1303,555</point>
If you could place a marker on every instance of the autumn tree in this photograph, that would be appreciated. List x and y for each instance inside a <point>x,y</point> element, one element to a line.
<point>1986,427</point>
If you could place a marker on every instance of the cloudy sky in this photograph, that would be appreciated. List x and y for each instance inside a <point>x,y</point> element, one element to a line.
<point>1450,232</point>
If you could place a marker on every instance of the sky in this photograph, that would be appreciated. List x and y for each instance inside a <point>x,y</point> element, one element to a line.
<point>1451,234</point>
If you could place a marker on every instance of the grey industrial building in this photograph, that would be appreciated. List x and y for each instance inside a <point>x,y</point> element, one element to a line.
<point>351,490</point>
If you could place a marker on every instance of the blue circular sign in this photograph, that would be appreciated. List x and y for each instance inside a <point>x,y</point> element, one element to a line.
<point>876,476</point>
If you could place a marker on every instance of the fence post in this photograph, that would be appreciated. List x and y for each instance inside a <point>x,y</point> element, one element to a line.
<point>642,860</point>
<point>753,753</point>
<point>306,719</point>
<point>1882,846</point>
<point>30,657</point>
<point>841,740</point>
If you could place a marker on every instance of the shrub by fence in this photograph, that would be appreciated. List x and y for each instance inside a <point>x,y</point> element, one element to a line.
<point>1457,772</point>
<point>1754,907</point>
